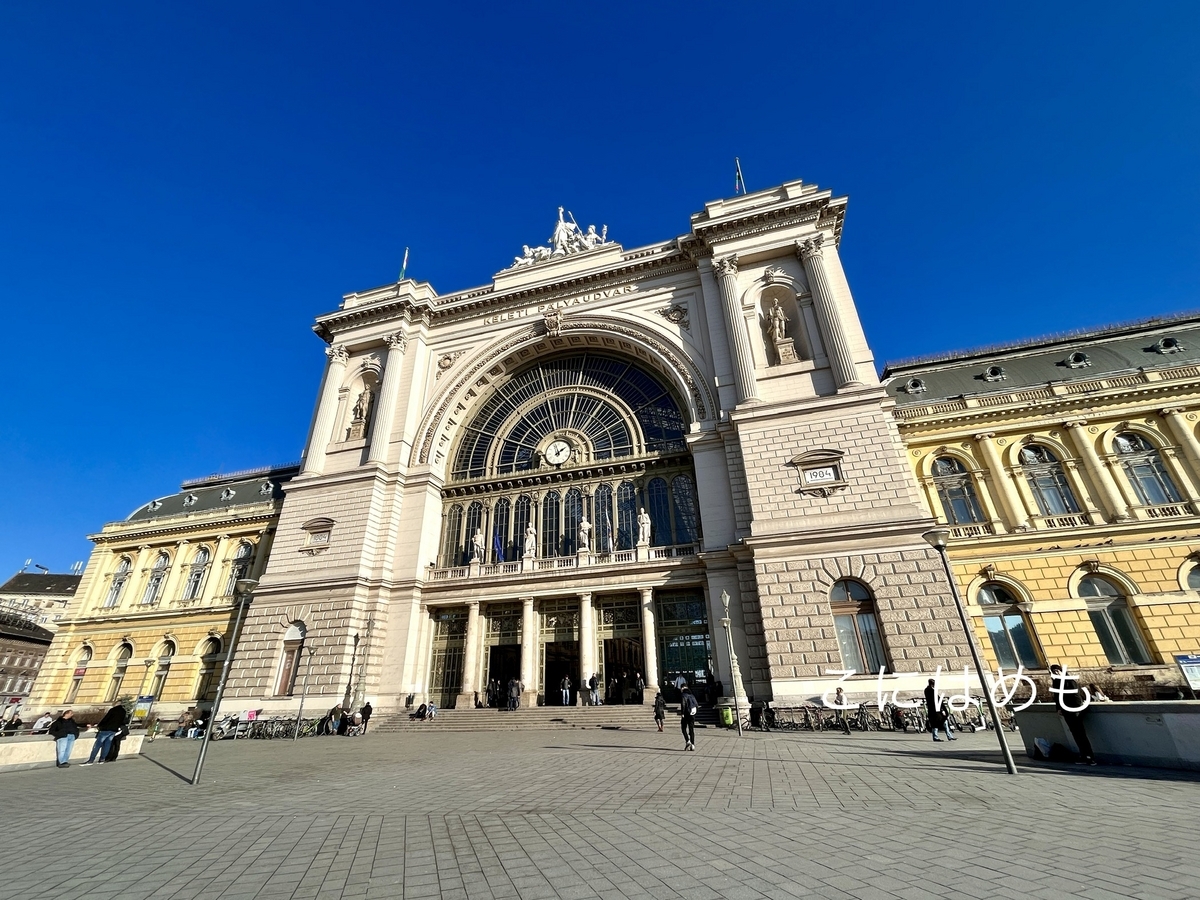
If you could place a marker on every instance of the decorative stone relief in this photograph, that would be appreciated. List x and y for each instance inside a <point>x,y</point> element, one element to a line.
<point>725,265</point>
<point>820,472</point>
<point>774,274</point>
<point>338,354</point>
<point>568,238</point>
<point>553,320</point>
<point>396,341</point>
<point>676,314</point>
<point>446,360</point>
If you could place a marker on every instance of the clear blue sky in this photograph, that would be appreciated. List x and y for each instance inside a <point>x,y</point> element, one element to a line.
<point>183,187</point>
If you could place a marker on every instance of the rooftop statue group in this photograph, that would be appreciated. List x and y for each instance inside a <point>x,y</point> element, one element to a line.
<point>567,238</point>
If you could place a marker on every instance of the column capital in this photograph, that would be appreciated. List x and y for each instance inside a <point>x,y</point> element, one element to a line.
<point>1075,423</point>
<point>647,594</point>
<point>725,265</point>
<point>527,601</point>
<point>396,341</point>
<point>473,604</point>
<point>584,596</point>
<point>338,354</point>
<point>1173,410</point>
<point>984,435</point>
<point>810,247</point>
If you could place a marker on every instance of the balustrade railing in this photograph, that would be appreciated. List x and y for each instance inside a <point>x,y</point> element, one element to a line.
<point>554,563</point>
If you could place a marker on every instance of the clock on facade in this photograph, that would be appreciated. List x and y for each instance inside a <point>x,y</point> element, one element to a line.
<point>558,453</point>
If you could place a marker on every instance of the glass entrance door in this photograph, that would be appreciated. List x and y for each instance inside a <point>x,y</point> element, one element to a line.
<point>684,648</point>
<point>622,662</point>
<point>561,661</point>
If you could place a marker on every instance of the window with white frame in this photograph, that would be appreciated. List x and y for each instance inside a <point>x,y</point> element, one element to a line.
<point>1143,466</point>
<point>195,577</point>
<point>1047,481</point>
<point>1009,633</point>
<point>117,585</point>
<point>1114,622</point>
<point>856,626</point>
<point>124,654</point>
<point>154,584</point>
<point>956,490</point>
<point>240,567</point>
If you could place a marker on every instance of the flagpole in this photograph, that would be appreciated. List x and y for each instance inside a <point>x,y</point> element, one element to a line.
<point>741,182</point>
<point>403,265</point>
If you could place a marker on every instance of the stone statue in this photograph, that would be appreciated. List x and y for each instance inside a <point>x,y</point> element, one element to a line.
<point>362,406</point>
<point>567,238</point>
<point>565,234</point>
<point>477,544</point>
<point>585,534</point>
<point>779,323</point>
<point>591,240</point>
<point>530,541</point>
<point>643,527</point>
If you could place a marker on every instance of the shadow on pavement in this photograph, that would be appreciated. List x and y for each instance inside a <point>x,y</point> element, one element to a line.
<point>184,778</point>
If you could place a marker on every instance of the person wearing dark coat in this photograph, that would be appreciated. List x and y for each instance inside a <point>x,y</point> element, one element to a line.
<point>366,712</point>
<point>64,730</point>
<point>660,711</point>
<point>115,749</point>
<point>1072,713</point>
<point>106,730</point>
<point>933,710</point>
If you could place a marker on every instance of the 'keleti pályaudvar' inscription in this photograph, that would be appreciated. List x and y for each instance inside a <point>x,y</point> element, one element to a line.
<point>559,304</point>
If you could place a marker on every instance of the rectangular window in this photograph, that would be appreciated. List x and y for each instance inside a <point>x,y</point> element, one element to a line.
<point>848,642</point>
<point>73,690</point>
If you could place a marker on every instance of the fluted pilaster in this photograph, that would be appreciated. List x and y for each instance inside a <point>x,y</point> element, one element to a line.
<point>828,320</point>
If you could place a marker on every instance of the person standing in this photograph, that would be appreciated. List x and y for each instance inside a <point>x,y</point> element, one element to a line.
<point>335,719</point>
<point>660,710</point>
<point>688,707</point>
<point>115,750</point>
<point>1062,686</point>
<point>106,730</point>
<point>565,687</point>
<point>594,688</point>
<point>639,686</point>
<point>64,730</point>
<point>933,711</point>
<point>366,712</point>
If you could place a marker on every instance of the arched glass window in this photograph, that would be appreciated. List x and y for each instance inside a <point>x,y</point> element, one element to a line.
<point>956,490</point>
<point>474,524</point>
<point>522,511</point>
<point>124,653</point>
<point>572,513</point>
<point>686,518</point>
<point>602,503</point>
<point>857,629</point>
<point>206,683</point>
<point>659,506</point>
<point>154,584</point>
<point>1144,467</point>
<point>1006,628</point>
<point>453,536</point>
<point>195,578</point>
<point>1115,626</point>
<point>501,549</point>
<point>120,576</point>
<point>1047,481</point>
<point>164,669</point>
<point>81,662</point>
<point>240,567</point>
<point>627,513</point>
<point>289,663</point>
<point>1193,578</point>
<point>550,515</point>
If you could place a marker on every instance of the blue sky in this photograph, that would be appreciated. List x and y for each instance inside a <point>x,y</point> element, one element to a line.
<point>183,187</point>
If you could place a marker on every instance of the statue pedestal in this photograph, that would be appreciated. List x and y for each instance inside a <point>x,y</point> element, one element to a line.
<point>785,350</point>
<point>527,562</point>
<point>473,567</point>
<point>643,551</point>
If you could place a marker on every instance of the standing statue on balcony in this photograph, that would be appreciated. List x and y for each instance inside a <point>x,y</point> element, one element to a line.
<point>643,528</point>
<point>585,535</point>
<point>478,547</point>
<point>530,541</point>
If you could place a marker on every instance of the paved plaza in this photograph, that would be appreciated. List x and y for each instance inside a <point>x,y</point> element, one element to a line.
<point>592,812</point>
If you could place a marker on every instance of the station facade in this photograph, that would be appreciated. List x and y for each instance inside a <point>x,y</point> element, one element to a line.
<point>606,461</point>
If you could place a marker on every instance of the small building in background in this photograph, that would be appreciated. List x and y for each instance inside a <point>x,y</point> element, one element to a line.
<point>40,597</point>
<point>23,645</point>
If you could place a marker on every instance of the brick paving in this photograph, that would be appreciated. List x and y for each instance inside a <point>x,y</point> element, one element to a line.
<point>585,813</point>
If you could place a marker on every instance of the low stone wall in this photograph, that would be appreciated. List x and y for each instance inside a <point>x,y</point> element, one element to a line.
<point>1159,734</point>
<point>35,750</point>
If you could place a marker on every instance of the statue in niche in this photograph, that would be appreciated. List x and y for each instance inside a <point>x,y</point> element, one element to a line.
<point>477,546</point>
<point>785,347</point>
<point>779,323</point>
<point>530,541</point>
<point>585,535</point>
<point>643,528</point>
<point>361,413</point>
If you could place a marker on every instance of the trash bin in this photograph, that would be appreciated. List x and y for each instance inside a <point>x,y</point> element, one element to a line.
<point>726,716</point>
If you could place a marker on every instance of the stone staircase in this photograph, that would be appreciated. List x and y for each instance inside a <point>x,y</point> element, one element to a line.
<point>538,718</point>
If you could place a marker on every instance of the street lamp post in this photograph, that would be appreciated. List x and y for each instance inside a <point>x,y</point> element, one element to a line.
<point>303,692</point>
<point>350,680</point>
<point>734,672</point>
<point>937,539</point>
<point>245,589</point>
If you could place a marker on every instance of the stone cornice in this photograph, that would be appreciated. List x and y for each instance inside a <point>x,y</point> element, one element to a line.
<point>133,534</point>
<point>822,209</point>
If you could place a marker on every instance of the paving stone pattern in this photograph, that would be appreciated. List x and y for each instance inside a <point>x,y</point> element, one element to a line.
<point>586,813</point>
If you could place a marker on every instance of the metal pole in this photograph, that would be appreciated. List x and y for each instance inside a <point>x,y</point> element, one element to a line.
<point>987,693</point>
<point>303,693</point>
<point>737,707</point>
<point>237,627</point>
<point>350,681</point>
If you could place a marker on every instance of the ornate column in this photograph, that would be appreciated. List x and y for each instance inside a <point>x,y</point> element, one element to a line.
<point>1010,501</point>
<point>828,320</point>
<point>470,658</point>
<point>725,268</point>
<point>587,643</point>
<point>314,459</point>
<point>650,645</point>
<point>385,407</point>
<point>529,638</point>
<point>1178,422</point>
<point>1112,503</point>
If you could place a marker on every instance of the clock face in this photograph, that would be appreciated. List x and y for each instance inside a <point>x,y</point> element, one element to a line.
<point>558,453</point>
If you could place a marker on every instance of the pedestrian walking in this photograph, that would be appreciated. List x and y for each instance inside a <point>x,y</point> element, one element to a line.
<point>594,688</point>
<point>839,711</point>
<point>933,711</point>
<point>366,712</point>
<point>1071,712</point>
<point>565,687</point>
<point>106,730</point>
<point>688,707</point>
<point>64,730</point>
<point>660,710</point>
<point>640,687</point>
<point>335,720</point>
<point>514,693</point>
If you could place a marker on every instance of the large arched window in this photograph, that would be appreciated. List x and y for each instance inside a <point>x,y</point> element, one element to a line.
<point>124,654</point>
<point>195,576</point>
<point>572,516</point>
<point>602,504</point>
<point>240,567</point>
<point>857,629</point>
<point>1144,467</point>
<point>474,524</point>
<point>1114,623</point>
<point>550,519</point>
<point>117,585</point>
<point>627,513</point>
<point>687,518</point>
<point>452,539</point>
<point>523,510</point>
<point>81,664</point>
<point>956,490</point>
<point>1011,639</point>
<point>289,662</point>
<point>154,584</point>
<point>1047,481</point>
<point>501,548</point>
<point>165,656</point>
<point>206,682</point>
<point>659,508</point>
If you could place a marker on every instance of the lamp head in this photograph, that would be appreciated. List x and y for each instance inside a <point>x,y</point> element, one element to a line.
<point>725,601</point>
<point>246,586</point>
<point>937,538</point>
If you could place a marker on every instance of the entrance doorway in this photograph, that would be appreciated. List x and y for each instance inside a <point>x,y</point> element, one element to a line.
<point>504,664</point>
<point>623,660</point>
<point>562,661</point>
